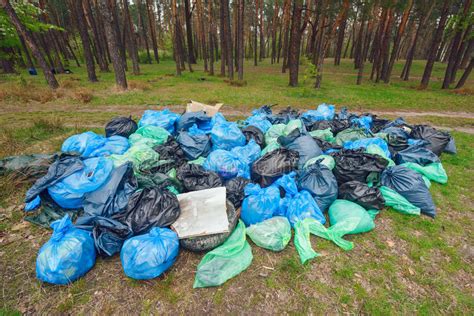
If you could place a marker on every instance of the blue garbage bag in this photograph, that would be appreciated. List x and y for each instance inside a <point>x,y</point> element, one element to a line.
<point>418,154</point>
<point>411,186</point>
<point>248,153</point>
<point>395,123</point>
<point>363,121</point>
<point>165,119</point>
<point>195,143</point>
<point>305,145</point>
<point>297,205</point>
<point>227,135</point>
<point>259,121</point>
<point>227,164</point>
<point>188,119</point>
<point>112,197</point>
<point>63,167</point>
<point>147,256</point>
<point>259,203</point>
<point>67,256</point>
<point>322,113</point>
<point>319,180</point>
<point>365,142</point>
<point>89,144</point>
<point>69,192</point>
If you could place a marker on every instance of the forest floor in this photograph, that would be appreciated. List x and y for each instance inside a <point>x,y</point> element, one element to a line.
<point>406,265</point>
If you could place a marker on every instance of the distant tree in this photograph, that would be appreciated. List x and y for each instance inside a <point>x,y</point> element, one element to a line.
<point>295,42</point>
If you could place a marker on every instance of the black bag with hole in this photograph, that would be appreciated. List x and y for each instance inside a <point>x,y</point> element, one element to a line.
<point>358,165</point>
<point>171,151</point>
<point>121,126</point>
<point>150,207</point>
<point>362,194</point>
<point>194,177</point>
<point>252,132</point>
<point>273,165</point>
<point>235,190</point>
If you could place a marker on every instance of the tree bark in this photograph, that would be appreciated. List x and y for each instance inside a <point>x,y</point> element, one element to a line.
<point>22,30</point>
<point>465,75</point>
<point>276,9</point>
<point>151,24</point>
<point>101,54</point>
<point>262,35</point>
<point>86,44</point>
<point>176,41</point>
<point>106,7</point>
<point>295,42</point>
<point>222,38</point>
<point>211,36</point>
<point>202,33</point>
<point>189,31</point>
<point>132,45</point>
<point>340,34</point>
<point>29,61</point>
<point>434,45</point>
<point>240,39</point>
<point>228,38</point>
<point>396,43</point>
<point>141,26</point>
<point>255,35</point>
<point>286,31</point>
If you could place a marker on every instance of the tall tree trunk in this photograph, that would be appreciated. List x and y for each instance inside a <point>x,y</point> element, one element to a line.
<point>241,39</point>
<point>280,42</point>
<point>151,24</point>
<point>132,45</point>
<point>396,43</point>
<point>385,49</point>
<point>142,28</point>
<point>467,54</point>
<point>101,54</point>
<point>434,45</point>
<point>202,33</point>
<point>456,55</point>
<point>29,61</point>
<point>286,31</point>
<point>86,44</point>
<point>465,75</point>
<point>262,35</point>
<point>255,35</point>
<point>189,31</point>
<point>360,71</point>
<point>295,42</point>
<point>211,36</point>
<point>340,34</point>
<point>22,30</point>
<point>222,38</point>
<point>276,9</point>
<point>106,8</point>
<point>228,38</point>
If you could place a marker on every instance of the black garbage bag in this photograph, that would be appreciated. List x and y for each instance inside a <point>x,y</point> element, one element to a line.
<point>319,180</point>
<point>396,143</point>
<point>188,119</point>
<point>451,147</point>
<point>418,154</point>
<point>357,165</point>
<point>438,140</point>
<point>112,197</point>
<point>63,167</point>
<point>171,151</point>
<point>49,212</point>
<point>284,116</point>
<point>305,145</point>
<point>336,125</point>
<point>325,145</point>
<point>360,193</point>
<point>109,234</point>
<point>411,186</point>
<point>378,123</point>
<point>150,207</point>
<point>26,168</point>
<point>235,190</point>
<point>273,165</point>
<point>158,180</point>
<point>121,126</point>
<point>194,145</point>
<point>252,132</point>
<point>153,166</point>
<point>194,177</point>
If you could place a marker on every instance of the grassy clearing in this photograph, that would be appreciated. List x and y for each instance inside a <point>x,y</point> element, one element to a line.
<point>406,265</point>
<point>265,84</point>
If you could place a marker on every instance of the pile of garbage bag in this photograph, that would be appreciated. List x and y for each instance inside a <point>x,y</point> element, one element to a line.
<point>318,173</point>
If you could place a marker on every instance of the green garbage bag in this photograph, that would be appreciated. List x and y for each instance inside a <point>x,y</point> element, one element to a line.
<point>149,135</point>
<point>376,150</point>
<point>334,233</point>
<point>347,211</point>
<point>273,133</point>
<point>350,134</point>
<point>324,134</point>
<point>270,147</point>
<point>433,171</point>
<point>137,154</point>
<point>225,261</point>
<point>398,202</point>
<point>327,160</point>
<point>303,242</point>
<point>198,161</point>
<point>272,234</point>
<point>292,125</point>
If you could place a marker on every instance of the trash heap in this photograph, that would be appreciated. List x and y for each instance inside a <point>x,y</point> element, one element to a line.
<point>133,192</point>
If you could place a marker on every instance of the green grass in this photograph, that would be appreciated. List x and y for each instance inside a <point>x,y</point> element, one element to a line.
<point>407,265</point>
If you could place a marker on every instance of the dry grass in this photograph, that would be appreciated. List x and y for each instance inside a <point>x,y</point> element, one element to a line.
<point>28,93</point>
<point>463,91</point>
<point>83,95</point>
<point>139,85</point>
